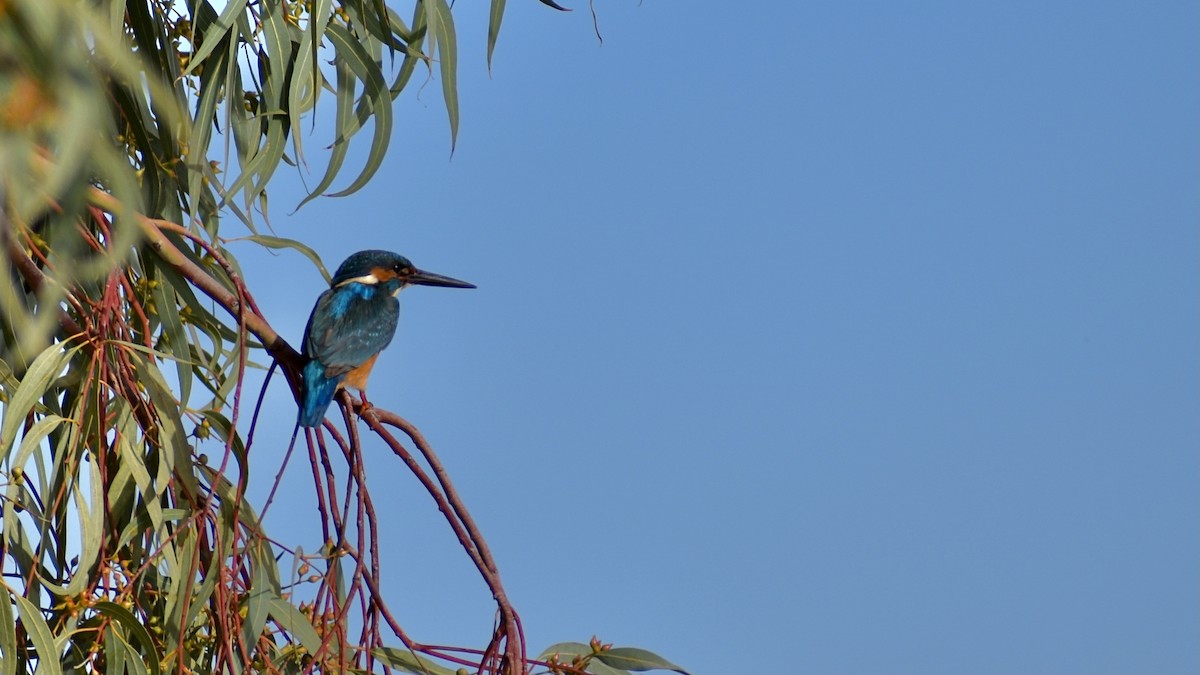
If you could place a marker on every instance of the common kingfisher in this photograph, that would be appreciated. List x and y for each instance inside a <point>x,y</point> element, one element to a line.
<point>352,322</point>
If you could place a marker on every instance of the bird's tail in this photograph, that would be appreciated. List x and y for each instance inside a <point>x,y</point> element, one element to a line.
<point>319,389</point>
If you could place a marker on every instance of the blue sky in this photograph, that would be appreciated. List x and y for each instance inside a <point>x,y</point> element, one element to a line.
<point>809,337</point>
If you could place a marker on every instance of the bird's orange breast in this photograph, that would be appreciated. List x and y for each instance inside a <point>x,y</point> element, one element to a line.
<point>357,378</point>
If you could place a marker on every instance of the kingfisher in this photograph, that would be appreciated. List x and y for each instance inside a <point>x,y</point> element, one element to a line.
<point>352,322</point>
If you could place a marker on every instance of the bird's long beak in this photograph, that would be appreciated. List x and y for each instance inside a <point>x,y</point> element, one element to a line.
<point>423,278</point>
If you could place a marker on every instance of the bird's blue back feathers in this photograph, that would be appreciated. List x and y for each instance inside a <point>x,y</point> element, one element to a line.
<point>339,304</point>
<point>319,389</point>
<point>353,321</point>
<point>350,324</point>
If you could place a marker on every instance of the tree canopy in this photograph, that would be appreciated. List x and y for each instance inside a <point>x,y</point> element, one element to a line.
<point>131,131</point>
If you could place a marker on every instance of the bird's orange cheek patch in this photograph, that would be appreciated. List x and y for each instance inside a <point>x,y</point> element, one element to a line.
<point>384,274</point>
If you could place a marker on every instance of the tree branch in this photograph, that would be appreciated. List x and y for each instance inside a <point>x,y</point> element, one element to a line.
<point>276,346</point>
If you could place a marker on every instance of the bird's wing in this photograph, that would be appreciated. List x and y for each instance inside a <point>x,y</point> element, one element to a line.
<point>348,326</point>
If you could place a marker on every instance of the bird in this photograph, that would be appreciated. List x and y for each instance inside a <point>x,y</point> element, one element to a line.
<point>353,322</point>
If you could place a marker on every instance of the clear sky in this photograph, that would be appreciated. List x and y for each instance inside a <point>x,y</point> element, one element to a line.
<point>812,337</point>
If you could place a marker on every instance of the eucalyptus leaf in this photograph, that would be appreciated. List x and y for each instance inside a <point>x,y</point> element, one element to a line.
<point>8,635</point>
<point>407,661</point>
<point>284,242</point>
<point>375,93</point>
<point>633,658</point>
<point>128,622</point>
<point>565,649</point>
<point>34,384</point>
<point>441,31</point>
<point>39,634</point>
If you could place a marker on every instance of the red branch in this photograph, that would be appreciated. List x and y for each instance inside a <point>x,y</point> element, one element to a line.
<point>506,651</point>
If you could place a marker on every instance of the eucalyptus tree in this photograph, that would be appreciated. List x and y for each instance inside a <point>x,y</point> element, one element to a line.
<point>133,135</point>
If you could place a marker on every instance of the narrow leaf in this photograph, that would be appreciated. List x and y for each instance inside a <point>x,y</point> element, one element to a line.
<point>176,453</point>
<point>216,33</point>
<point>377,23</point>
<point>495,17</point>
<point>130,623</point>
<point>296,624</point>
<point>91,526</point>
<point>36,381</point>
<point>36,434</point>
<point>116,651</point>
<point>177,344</point>
<point>258,599</point>
<point>565,649</point>
<point>344,120</point>
<point>403,659</point>
<point>416,36</point>
<point>8,635</point>
<point>39,633</point>
<point>273,64</point>
<point>441,31</point>
<point>632,658</point>
<point>375,89</point>
<point>215,73</point>
<point>597,667</point>
<point>283,242</point>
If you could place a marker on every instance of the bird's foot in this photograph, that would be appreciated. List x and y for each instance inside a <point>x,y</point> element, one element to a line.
<point>365,406</point>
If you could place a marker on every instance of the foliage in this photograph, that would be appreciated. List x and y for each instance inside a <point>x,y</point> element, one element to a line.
<point>128,130</point>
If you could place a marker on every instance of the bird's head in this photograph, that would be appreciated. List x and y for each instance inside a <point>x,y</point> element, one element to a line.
<point>389,269</point>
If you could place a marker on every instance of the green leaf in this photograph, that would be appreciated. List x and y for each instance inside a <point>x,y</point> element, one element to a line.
<point>296,624</point>
<point>305,85</point>
<point>274,66</point>
<point>177,343</point>
<point>284,58</point>
<point>78,101</point>
<point>144,29</point>
<point>598,667</point>
<point>131,459</point>
<point>116,651</point>
<point>39,633</point>
<point>377,95</point>
<point>216,33</point>
<point>34,385</point>
<point>133,108</point>
<point>264,586</point>
<point>244,125</point>
<point>200,595</point>
<point>403,659</point>
<point>303,93</point>
<point>318,22</point>
<point>283,242</point>
<point>277,36</point>
<point>565,649</point>
<point>441,32</point>
<point>130,623</point>
<point>632,658</point>
<point>378,25</point>
<point>413,54</point>
<point>215,74</point>
<point>36,434</point>
<point>495,16</point>
<point>344,120</point>
<point>8,636</point>
<point>177,453</point>
<point>142,522</point>
<point>91,526</point>
<point>258,599</point>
